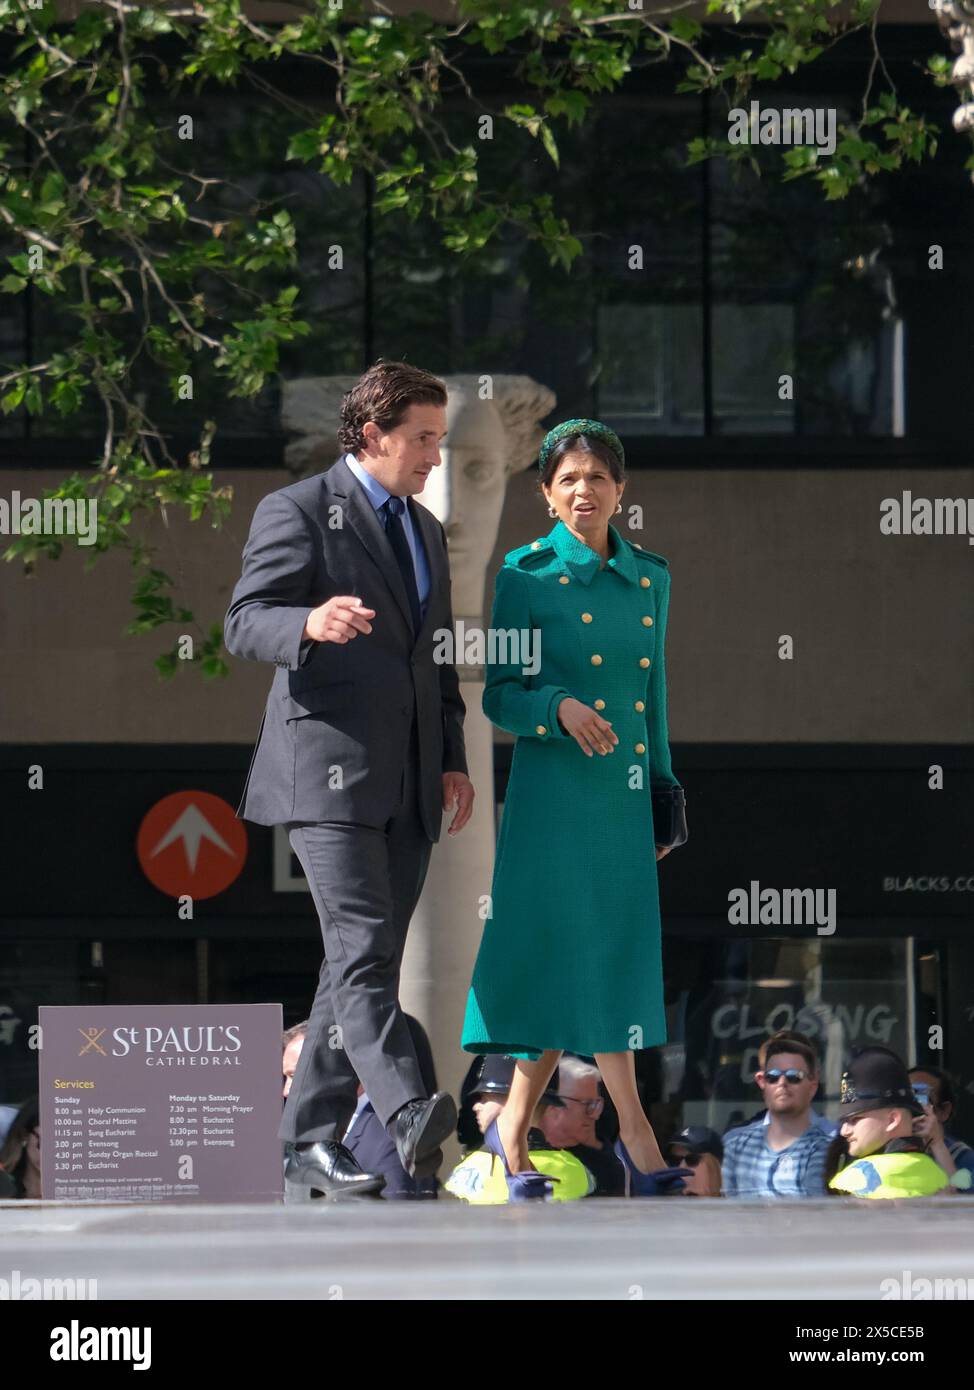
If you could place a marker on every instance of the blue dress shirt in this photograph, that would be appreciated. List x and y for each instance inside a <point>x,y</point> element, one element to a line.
<point>378,495</point>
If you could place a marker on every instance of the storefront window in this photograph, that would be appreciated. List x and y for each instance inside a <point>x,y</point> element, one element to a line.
<point>841,994</point>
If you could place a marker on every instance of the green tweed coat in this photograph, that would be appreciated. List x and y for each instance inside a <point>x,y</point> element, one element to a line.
<point>570,955</point>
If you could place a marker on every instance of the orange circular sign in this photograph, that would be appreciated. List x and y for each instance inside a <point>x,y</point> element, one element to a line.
<point>191,843</point>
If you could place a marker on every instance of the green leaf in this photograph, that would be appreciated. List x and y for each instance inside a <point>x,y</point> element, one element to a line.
<point>14,396</point>
<point>548,140</point>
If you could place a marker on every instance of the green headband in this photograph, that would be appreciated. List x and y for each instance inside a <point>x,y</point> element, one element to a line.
<point>567,428</point>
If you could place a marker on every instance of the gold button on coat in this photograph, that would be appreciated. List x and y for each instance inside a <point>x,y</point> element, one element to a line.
<point>600,704</point>
<point>647,621</point>
<point>563,579</point>
<point>644,661</point>
<point>640,748</point>
<point>541,729</point>
<point>535,545</point>
<point>640,706</point>
<point>596,660</point>
<point>645,583</point>
<point>586,617</point>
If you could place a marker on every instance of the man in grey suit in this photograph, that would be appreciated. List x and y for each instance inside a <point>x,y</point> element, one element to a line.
<point>360,751</point>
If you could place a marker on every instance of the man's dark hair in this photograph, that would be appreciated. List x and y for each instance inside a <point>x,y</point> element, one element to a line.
<point>384,394</point>
<point>788,1041</point>
<point>791,1043</point>
<point>297,1030</point>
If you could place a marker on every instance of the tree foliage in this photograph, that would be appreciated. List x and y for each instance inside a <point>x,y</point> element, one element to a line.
<point>158,266</point>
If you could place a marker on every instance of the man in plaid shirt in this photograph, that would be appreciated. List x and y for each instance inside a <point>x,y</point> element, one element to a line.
<point>784,1157</point>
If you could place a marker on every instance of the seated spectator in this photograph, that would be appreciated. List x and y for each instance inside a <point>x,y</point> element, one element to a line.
<point>572,1125</point>
<point>786,1156</point>
<point>293,1043</point>
<point>479,1177</point>
<point>699,1149</point>
<point>829,1127</point>
<point>951,1153</point>
<point>366,1137</point>
<point>20,1157</point>
<point>877,1108</point>
<point>374,1148</point>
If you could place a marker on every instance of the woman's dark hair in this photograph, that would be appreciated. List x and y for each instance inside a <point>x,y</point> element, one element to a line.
<point>945,1086</point>
<point>583,444</point>
<point>13,1155</point>
<point>384,394</point>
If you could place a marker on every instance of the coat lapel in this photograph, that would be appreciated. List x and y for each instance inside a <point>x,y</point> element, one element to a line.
<point>428,528</point>
<point>361,516</point>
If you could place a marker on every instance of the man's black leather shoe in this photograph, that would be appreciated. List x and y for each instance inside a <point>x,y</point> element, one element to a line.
<point>419,1128</point>
<point>327,1169</point>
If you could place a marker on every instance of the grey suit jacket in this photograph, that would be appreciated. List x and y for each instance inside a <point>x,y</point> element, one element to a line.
<point>335,733</point>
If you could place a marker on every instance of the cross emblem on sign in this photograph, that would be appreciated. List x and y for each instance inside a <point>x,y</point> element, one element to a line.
<point>92,1035</point>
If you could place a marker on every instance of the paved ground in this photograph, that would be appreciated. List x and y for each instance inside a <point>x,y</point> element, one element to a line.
<point>598,1249</point>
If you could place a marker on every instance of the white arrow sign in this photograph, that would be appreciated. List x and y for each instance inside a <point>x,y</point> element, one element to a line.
<point>191,827</point>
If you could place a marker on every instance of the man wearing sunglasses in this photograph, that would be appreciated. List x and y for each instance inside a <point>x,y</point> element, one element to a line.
<point>822,1122</point>
<point>784,1158</point>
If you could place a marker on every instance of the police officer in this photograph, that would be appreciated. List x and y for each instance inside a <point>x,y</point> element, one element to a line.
<point>479,1177</point>
<point>876,1110</point>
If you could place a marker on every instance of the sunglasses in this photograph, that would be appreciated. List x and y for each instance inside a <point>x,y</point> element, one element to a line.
<point>793,1075</point>
<point>683,1160</point>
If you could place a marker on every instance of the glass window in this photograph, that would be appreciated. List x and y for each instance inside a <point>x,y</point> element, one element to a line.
<point>725,998</point>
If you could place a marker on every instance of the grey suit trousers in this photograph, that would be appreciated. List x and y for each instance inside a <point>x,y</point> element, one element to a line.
<point>365,882</point>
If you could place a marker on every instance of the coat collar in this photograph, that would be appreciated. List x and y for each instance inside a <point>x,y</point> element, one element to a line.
<point>583,562</point>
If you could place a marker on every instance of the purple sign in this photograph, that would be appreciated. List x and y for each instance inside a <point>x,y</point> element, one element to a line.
<point>161,1103</point>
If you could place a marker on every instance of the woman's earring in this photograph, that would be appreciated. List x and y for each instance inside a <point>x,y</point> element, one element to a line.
<point>552,512</point>
<point>618,507</point>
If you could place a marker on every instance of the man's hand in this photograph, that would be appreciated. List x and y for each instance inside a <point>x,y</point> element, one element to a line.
<point>458,791</point>
<point>338,620</point>
<point>661,851</point>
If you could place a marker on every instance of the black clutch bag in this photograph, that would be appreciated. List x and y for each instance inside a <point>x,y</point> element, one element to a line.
<point>669,817</point>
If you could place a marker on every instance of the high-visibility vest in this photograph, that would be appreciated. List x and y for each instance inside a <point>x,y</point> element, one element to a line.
<point>479,1178</point>
<point>891,1175</point>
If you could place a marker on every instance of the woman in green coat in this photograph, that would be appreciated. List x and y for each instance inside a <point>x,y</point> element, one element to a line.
<point>570,956</point>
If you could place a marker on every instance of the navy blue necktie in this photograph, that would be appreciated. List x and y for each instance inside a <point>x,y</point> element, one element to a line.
<point>393,507</point>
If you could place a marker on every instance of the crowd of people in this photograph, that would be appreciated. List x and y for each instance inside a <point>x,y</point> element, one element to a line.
<point>890,1137</point>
